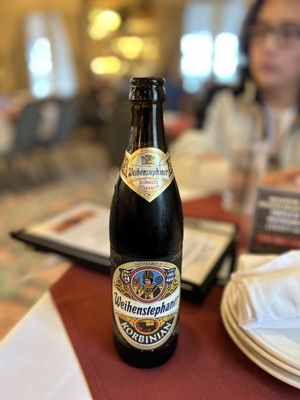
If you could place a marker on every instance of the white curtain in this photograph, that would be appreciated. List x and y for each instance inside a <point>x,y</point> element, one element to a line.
<point>49,56</point>
<point>65,79</point>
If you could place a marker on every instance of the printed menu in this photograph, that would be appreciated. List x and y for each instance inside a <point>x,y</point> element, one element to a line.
<point>82,234</point>
<point>276,223</point>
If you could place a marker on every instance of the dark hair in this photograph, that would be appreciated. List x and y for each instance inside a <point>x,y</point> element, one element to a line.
<point>244,71</point>
<point>249,20</point>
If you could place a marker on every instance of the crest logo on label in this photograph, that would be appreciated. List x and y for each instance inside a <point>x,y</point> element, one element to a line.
<point>146,283</point>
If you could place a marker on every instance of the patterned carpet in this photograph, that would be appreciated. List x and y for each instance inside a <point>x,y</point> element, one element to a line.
<point>81,174</point>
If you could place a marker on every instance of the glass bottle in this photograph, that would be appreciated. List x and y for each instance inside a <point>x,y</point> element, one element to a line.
<point>146,232</point>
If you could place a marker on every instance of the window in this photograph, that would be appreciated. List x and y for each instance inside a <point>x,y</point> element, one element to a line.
<point>40,67</point>
<point>196,60</point>
<point>225,57</point>
<point>209,44</point>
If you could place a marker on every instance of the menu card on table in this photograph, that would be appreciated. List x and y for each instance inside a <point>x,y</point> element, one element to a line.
<point>82,234</point>
<point>276,223</point>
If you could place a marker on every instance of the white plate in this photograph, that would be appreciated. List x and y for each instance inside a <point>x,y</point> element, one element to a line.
<point>272,369</point>
<point>284,344</point>
<point>248,342</point>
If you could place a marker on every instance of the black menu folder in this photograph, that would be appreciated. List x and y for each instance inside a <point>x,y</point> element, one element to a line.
<point>82,235</point>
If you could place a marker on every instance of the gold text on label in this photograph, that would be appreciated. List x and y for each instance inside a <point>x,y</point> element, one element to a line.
<point>147,171</point>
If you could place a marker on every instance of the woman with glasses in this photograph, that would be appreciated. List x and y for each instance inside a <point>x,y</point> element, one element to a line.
<point>266,103</point>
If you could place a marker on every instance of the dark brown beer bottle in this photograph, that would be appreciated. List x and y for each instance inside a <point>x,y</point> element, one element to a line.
<point>146,231</point>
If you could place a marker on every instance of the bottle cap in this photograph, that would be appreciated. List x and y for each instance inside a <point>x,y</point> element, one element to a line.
<point>147,90</point>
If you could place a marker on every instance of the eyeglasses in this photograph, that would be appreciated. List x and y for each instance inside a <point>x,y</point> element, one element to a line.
<point>286,34</point>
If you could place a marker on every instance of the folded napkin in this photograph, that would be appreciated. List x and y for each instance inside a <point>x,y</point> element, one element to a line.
<point>266,291</point>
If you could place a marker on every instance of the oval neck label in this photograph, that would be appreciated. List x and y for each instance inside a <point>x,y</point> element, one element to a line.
<point>146,298</point>
<point>147,171</point>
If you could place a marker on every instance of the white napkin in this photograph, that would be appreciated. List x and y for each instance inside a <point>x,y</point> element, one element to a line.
<point>37,360</point>
<point>267,291</point>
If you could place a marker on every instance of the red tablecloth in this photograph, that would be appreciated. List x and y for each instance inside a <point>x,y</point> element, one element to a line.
<point>206,365</point>
<point>177,123</point>
<point>210,208</point>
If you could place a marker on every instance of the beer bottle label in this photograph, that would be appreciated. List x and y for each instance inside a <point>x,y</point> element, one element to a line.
<point>147,171</point>
<point>146,298</point>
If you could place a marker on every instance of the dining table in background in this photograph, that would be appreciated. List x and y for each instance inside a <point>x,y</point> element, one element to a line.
<point>177,123</point>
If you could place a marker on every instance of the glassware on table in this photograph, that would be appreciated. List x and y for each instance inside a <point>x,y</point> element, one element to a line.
<point>247,167</point>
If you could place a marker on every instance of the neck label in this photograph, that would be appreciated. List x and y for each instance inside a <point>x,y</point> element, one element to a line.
<point>147,171</point>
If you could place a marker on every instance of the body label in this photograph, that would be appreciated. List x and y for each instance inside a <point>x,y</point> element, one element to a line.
<point>147,171</point>
<point>146,298</point>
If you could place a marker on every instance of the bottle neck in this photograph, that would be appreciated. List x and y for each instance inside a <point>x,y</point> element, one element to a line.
<point>147,127</point>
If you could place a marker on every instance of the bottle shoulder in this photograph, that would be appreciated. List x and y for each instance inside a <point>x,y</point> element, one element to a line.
<point>140,228</point>
<point>126,197</point>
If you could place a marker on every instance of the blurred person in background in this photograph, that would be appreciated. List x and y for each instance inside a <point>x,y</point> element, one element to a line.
<point>265,105</point>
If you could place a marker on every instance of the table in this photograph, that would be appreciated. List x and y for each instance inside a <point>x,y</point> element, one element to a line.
<point>177,123</point>
<point>206,365</point>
